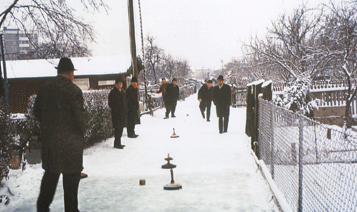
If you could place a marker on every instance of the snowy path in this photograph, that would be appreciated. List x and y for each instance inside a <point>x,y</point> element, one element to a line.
<point>217,171</point>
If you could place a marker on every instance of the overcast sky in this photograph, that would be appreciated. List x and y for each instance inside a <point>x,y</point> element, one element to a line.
<point>203,32</point>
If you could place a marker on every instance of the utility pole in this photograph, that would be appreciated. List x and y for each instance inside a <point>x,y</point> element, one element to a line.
<point>134,62</point>
<point>5,74</point>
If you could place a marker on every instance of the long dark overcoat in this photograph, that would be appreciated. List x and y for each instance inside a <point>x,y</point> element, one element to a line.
<point>117,104</point>
<point>172,94</point>
<point>63,119</point>
<point>132,103</point>
<point>222,100</point>
<point>205,94</point>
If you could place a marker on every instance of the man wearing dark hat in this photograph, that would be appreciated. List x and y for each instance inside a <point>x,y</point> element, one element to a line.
<point>205,98</point>
<point>222,100</point>
<point>117,104</point>
<point>171,97</point>
<point>59,109</point>
<point>133,107</point>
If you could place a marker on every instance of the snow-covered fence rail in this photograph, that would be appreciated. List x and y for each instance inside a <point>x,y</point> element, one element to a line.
<point>314,166</point>
<point>278,87</point>
<point>331,94</point>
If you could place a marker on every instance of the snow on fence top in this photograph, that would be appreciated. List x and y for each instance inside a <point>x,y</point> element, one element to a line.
<point>267,83</point>
<point>278,87</point>
<point>111,64</point>
<point>255,83</point>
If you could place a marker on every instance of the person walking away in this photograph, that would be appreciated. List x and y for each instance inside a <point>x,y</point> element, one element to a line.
<point>59,109</point>
<point>117,104</point>
<point>171,97</point>
<point>199,97</point>
<point>162,90</point>
<point>133,107</point>
<point>222,100</point>
<point>205,98</point>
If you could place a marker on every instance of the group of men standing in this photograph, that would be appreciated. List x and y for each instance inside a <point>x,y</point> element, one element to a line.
<point>124,107</point>
<point>170,94</point>
<point>221,97</point>
<point>59,107</point>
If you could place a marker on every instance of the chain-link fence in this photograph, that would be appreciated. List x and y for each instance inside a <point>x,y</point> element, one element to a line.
<point>239,97</point>
<point>312,164</point>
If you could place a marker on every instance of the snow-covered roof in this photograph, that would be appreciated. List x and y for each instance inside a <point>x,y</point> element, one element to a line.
<point>255,83</point>
<point>111,64</point>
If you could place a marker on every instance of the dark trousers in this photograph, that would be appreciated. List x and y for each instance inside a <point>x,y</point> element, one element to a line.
<point>223,123</point>
<point>48,190</point>
<point>130,128</point>
<point>118,132</point>
<point>206,106</point>
<point>170,108</point>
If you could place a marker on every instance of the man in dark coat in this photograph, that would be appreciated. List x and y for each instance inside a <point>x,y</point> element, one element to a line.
<point>222,100</point>
<point>117,104</point>
<point>133,107</point>
<point>59,108</point>
<point>205,98</point>
<point>171,97</point>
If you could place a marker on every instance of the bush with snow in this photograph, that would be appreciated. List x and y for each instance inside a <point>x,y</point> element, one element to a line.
<point>7,143</point>
<point>296,97</point>
<point>99,117</point>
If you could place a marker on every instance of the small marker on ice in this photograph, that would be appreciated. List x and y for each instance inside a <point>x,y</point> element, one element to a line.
<point>174,134</point>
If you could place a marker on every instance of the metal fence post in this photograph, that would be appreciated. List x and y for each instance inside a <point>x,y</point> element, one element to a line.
<point>272,145</point>
<point>301,149</point>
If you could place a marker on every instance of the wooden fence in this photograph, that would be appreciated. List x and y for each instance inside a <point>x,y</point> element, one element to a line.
<point>331,94</point>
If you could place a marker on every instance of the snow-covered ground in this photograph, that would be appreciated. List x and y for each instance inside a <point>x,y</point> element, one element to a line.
<point>217,171</point>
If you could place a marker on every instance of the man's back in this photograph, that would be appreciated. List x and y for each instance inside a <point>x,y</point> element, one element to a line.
<point>59,108</point>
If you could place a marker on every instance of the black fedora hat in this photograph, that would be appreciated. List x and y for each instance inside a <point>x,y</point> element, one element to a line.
<point>134,79</point>
<point>65,65</point>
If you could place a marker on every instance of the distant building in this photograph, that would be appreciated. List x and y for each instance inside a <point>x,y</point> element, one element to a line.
<point>25,77</point>
<point>203,73</point>
<point>18,43</point>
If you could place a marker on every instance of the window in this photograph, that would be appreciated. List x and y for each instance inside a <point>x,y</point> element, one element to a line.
<point>106,82</point>
<point>82,83</point>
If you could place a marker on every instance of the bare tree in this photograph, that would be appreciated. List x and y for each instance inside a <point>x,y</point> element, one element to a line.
<point>339,38</point>
<point>54,20</point>
<point>183,69</point>
<point>168,67</point>
<point>290,43</point>
<point>153,58</point>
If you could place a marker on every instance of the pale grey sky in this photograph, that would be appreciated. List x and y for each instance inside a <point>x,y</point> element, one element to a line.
<point>204,32</point>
